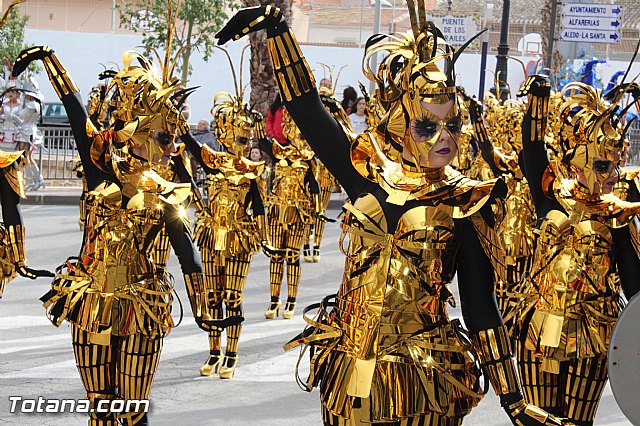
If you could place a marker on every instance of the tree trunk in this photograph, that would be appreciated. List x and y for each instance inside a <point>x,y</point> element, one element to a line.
<point>263,84</point>
<point>186,54</point>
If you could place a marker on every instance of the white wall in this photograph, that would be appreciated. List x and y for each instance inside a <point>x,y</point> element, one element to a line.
<point>82,54</point>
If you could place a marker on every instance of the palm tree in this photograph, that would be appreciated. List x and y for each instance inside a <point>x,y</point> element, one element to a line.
<point>263,84</point>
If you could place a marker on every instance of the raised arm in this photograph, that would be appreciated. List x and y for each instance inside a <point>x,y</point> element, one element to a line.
<point>298,90</point>
<point>534,151</point>
<point>198,150</point>
<point>482,136</point>
<point>69,94</point>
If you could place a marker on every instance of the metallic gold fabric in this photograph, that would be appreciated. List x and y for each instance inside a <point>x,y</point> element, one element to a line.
<point>574,291</point>
<point>12,167</point>
<point>113,288</point>
<point>7,268</point>
<point>291,70</point>
<point>388,351</point>
<point>229,228</point>
<point>496,356</point>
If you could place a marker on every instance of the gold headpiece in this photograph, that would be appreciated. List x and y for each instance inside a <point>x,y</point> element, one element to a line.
<point>590,128</point>
<point>236,123</point>
<point>417,67</point>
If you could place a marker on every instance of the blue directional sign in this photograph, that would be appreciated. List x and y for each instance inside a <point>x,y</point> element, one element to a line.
<point>590,23</point>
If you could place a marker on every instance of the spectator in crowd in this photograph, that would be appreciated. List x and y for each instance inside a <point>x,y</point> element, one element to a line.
<point>274,121</point>
<point>349,96</point>
<point>358,117</point>
<point>325,82</point>
<point>204,134</point>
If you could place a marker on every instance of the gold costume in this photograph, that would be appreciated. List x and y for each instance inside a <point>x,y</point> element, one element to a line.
<point>233,227</point>
<point>326,182</point>
<point>387,353</point>
<point>116,297</point>
<point>290,212</point>
<point>510,245</point>
<point>571,299</point>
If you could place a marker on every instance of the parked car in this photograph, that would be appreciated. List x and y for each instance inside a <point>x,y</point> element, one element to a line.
<point>54,113</point>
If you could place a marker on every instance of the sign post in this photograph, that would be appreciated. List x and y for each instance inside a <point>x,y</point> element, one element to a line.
<point>591,23</point>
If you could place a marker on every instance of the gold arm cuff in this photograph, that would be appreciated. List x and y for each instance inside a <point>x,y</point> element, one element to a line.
<point>60,79</point>
<point>496,355</point>
<point>15,235</point>
<point>538,109</point>
<point>197,293</point>
<point>293,75</point>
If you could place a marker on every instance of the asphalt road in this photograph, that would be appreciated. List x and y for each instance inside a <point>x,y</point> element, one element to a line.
<point>36,358</point>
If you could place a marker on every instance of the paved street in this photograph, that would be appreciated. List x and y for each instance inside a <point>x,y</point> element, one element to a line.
<point>36,358</point>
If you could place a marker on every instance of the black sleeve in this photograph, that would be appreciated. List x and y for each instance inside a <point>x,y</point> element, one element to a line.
<point>627,261</point>
<point>181,241</point>
<point>195,148</point>
<point>534,163</point>
<point>328,141</point>
<point>475,281</point>
<point>257,205</point>
<point>311,181</point>
<point>78,120</point>
<point>487,151</point>
<point>10,202</point>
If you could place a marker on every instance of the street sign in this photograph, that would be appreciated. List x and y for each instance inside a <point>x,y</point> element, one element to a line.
<point>590,23</point>
<point>589,36</point>
<point>457,28</point>
<point>594,10</point>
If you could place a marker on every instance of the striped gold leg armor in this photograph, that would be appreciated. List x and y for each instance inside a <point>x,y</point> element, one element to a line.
<point>137,363</point>
<point>97,371</point>
<point>539,387</point>
<point>293,244</point>
<point>213,276</point>
<point>585,382</point>
<point>236,270</point>
<point>573,393</point>
<point>276,266</point>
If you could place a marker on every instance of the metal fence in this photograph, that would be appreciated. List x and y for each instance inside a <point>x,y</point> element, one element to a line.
<point>58,154</point>
<point>634,144</point>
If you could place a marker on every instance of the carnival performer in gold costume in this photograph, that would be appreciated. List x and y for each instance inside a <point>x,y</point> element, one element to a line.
<point>500,143</point>
<point>388,353</point>
<point>584,249</point>
<point>290,211</point>
<point>13,259</point>
<point>233,227</point>
<point>117,300</point>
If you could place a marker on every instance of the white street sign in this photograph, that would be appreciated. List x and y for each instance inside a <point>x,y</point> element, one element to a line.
<point>593,10</point>
<point>456,28</point>
<point>589,36</point>
<point>589,23</point>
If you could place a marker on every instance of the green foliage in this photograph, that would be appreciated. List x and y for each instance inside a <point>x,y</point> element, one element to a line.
<point>12,40</point>
<point>198,21</point>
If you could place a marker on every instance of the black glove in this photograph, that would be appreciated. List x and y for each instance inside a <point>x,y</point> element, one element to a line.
<point>207,324</point>
<point>29,55</point>
<point>331,103</point>
<point>25,271</point>
<point>618,91</point>
<point>524,414</point>
<point>249,20</point>
<point>537,85</point>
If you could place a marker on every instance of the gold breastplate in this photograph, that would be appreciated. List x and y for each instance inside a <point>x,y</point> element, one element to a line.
<point>289,185</point>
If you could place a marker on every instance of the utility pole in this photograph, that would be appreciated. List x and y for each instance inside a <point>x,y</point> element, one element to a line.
<point>552,35</point>
<point>503,51</point>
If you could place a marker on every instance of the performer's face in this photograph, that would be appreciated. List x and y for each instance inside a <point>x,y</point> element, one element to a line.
<point>606,176</point>
<point>434,135</point>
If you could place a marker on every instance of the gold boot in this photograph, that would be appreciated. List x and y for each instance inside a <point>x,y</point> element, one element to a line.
<point>273,311</point>
<point>228,367</point>
<point>212,365</point>
<point>289,310</point>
